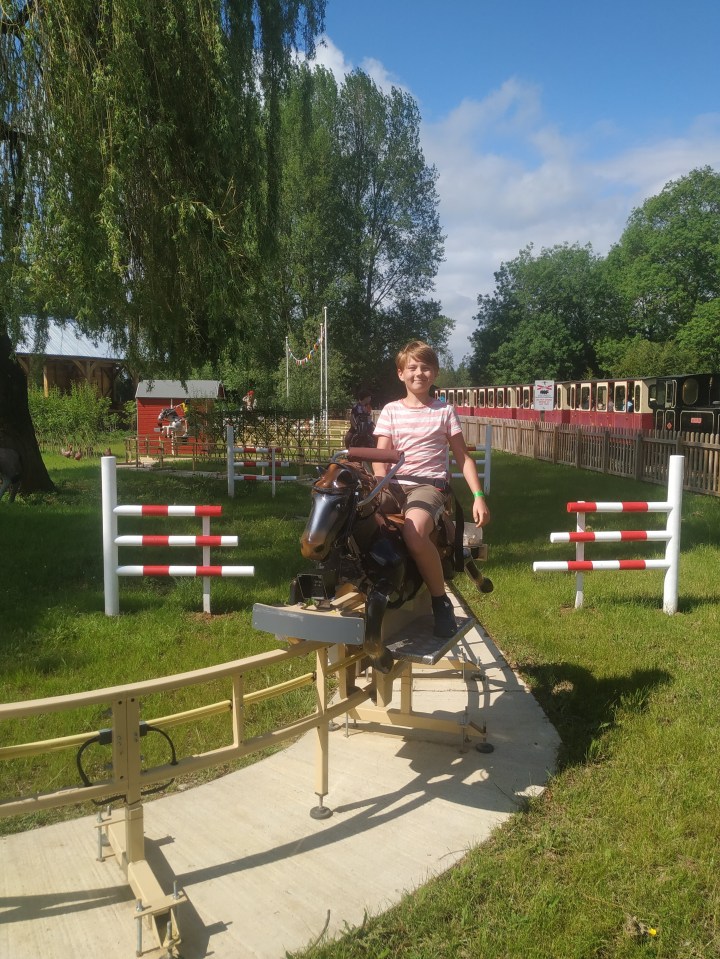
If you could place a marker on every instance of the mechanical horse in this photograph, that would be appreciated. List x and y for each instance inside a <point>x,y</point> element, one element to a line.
<point>354,534</point>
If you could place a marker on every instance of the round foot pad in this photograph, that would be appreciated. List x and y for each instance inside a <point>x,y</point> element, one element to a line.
<point>320,812</point>
<point>485,748</point>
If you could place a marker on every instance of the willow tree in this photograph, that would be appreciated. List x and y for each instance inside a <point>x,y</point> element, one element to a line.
<point>145,204</point>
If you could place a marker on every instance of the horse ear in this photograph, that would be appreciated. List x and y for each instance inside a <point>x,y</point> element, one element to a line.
<point>344,477</point>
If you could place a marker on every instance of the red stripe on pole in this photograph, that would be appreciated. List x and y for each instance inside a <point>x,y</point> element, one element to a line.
<point>209,571</point>
<point>152,540</point>
<point>593,507</point>
<point>164,510</point>
<point>156,570</point>
<point>588,537</point>
<point>632,564</point>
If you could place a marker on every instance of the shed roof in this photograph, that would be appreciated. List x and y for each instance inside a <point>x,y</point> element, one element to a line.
<point>193,389</point>
<point>66,340</point>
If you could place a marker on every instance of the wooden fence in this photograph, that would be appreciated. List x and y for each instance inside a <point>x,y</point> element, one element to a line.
<point>640,456</point>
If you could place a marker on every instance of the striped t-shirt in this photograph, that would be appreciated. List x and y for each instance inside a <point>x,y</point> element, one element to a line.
<point>422,434</point>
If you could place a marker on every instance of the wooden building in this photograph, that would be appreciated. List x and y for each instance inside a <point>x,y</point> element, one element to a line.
<point>69,356</point>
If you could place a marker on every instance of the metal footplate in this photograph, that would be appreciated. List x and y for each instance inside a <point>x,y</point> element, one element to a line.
<point>310,623</point>
<point>415,643</point>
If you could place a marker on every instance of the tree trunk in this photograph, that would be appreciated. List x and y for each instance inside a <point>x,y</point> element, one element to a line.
<point>16,426</point>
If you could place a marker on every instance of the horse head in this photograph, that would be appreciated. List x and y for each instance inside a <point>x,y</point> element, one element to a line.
<point>343,491</point>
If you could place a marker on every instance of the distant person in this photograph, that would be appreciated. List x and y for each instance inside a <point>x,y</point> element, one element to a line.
<point>249,400</point>
<point>362,428</point>
<point>630,406</point>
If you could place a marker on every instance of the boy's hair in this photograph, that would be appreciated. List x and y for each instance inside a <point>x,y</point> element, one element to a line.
<point>417,350</point>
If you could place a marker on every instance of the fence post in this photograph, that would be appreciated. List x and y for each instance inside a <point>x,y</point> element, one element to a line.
<point>110,531</point>
<point>606,452</point>
<point>638,457</point>
<point>488,457</point>
<point>578,451</point>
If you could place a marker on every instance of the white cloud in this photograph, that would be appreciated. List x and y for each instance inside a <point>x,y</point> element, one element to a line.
<point>508,177</point>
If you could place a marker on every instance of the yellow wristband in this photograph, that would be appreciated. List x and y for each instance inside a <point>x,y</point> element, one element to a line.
<point>479,494</point>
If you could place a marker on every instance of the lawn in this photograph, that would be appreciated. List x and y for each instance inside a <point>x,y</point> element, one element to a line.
<point>618,858</point>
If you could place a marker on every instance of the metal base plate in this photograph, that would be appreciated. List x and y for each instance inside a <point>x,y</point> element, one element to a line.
<point>415,642</point>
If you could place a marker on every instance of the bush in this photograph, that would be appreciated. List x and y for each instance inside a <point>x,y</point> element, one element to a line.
<point>80,418</point>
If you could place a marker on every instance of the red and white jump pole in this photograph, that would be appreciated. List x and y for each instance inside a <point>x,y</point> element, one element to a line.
<point>274,463</point>
<point>670,535</point>
<point>112,571</point>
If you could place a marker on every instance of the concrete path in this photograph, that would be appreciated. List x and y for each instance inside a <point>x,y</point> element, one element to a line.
<point>261,875</point>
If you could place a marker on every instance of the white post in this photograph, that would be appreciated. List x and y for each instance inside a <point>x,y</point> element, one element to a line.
<point>672,550</point>
<point>206,562</point>
<point>272,469</point>
<point>230,443</point>
<point>325,356</point>
<point>109,524</point>
<point>580,555</point>
<point>488,457</point>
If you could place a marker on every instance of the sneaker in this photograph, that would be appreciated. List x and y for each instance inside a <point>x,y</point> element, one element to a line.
<point>445,623</point>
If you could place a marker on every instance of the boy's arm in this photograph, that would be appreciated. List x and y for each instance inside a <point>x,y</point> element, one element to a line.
<point>481,513</point>
<point>383,443</point>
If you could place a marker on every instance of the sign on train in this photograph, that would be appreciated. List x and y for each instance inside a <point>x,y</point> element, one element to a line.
<point>544,394</point>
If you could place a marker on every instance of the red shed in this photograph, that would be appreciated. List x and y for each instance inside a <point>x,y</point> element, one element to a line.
<point>161,406</point>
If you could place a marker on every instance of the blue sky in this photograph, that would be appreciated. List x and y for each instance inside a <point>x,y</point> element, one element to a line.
<point>547,123</point>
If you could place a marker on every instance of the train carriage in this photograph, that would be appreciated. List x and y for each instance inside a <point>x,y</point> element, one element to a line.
<point>687,403</point>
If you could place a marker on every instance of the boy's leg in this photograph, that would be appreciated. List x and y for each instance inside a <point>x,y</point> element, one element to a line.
<point>419,524</point>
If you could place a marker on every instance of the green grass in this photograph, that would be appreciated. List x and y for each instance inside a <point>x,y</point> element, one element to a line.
<point>626,836</point>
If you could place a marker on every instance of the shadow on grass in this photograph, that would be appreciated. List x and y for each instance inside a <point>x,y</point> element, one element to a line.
<point>583,708</point>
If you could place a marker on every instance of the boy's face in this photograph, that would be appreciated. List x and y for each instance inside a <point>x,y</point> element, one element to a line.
<point>417,376</point>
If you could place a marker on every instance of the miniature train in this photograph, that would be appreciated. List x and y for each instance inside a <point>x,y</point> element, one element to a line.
<point>688,403</point>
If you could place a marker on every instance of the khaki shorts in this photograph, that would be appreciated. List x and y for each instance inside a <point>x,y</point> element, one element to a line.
<point>424,497</point>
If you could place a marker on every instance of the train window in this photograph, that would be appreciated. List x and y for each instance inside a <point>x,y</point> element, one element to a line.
<point>638,397</point>
<point>526,397</point>
<point>620,397</point>
<point>602,392</point>
<point>500,398</point>
<point>715,390</point>
<point>573,397</point>
<point>690,392</point>
<point>491,398</point>
<point>442,395</point>
<point>669,397</point>
<point>481,398</point>
<point>559,398</point>
<point>585,397</point>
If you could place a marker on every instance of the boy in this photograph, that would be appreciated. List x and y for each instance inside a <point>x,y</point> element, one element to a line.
<point>422,428</point>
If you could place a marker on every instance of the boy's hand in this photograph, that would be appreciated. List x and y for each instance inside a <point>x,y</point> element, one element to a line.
<point>481,512</point>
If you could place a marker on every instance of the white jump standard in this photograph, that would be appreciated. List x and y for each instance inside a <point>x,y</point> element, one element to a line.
<point>111,541</point>
<point>670,535</point>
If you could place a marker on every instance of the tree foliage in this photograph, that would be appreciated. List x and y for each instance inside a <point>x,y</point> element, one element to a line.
<point>360,231</point>
<point>139,173</point>
<point>544,318</point>
<point>648,308</point>
<point>668,258</point>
